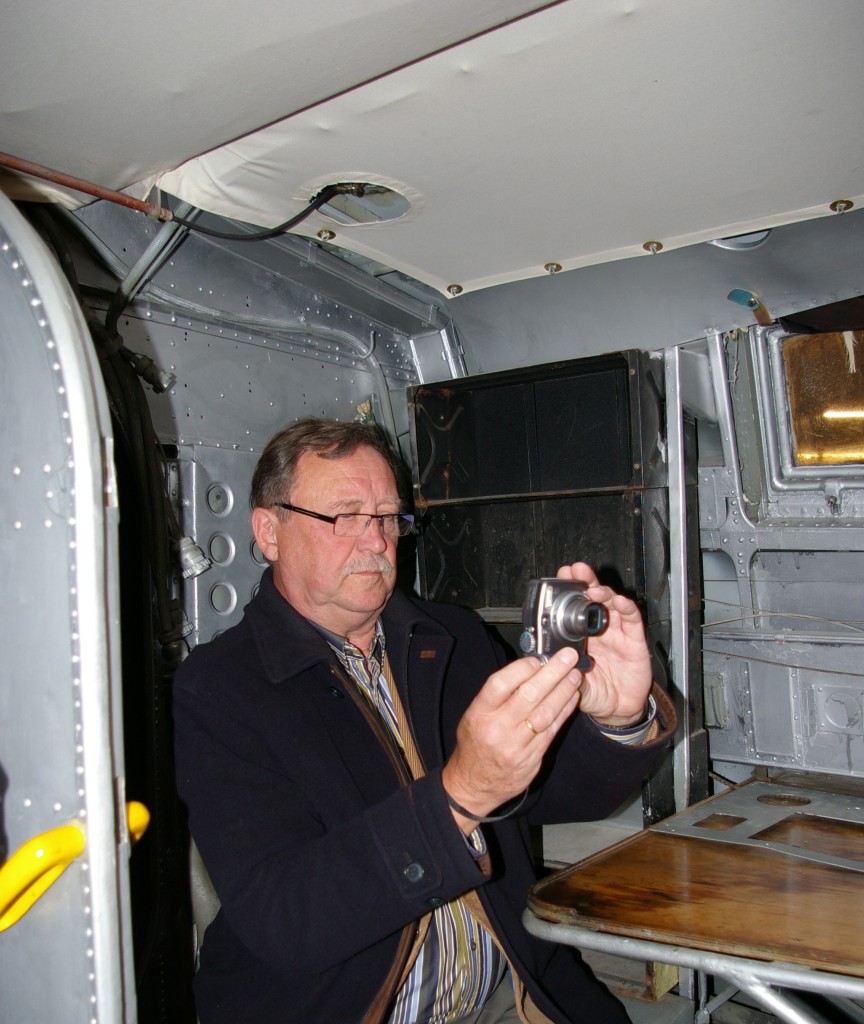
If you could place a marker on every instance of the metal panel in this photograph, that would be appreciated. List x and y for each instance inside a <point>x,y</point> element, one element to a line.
<point>214,483</point>
<point>62,759</point>
<point>235,389</point>
<point>790,702</point>
<point>661,300</point>
<point>784,686</point>
<point>259,333</point>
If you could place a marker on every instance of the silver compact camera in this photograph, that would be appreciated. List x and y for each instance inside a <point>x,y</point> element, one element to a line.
<point>557,614</point>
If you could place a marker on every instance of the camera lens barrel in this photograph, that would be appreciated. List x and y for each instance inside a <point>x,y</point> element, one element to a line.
<point>573,617</point>
<point>557,614</point>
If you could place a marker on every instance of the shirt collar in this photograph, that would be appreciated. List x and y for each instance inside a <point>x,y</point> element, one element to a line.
<point>344,646</point>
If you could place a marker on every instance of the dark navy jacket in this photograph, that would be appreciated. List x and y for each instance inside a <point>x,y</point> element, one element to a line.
<point>321,852</point>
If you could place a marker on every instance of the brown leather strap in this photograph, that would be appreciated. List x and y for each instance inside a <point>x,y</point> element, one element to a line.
<point>667,717</point>
<point>412,755</point>
<point>415,766</point>
<point>393,982</point>
<point>413,933</point>
<point>525,1006</point>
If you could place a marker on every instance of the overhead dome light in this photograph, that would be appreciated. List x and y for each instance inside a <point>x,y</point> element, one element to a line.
<point>360,202</point>
<point>739,243</point>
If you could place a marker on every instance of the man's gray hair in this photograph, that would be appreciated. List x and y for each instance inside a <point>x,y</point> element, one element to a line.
<point>331,439</point>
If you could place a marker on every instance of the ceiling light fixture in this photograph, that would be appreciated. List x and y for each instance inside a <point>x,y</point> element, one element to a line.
<point>741,243</point>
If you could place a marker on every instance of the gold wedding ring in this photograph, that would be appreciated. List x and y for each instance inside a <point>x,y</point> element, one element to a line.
<point>530,726</point>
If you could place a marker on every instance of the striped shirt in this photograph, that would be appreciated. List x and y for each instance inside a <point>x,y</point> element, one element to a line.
<point>458,965</point>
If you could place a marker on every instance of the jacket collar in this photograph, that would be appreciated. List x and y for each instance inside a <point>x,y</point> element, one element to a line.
<point>273,621</point>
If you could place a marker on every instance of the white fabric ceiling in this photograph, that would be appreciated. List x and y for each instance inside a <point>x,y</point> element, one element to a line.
<point>572,135</point>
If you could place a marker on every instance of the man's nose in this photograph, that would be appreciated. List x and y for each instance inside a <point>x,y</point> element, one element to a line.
<point>373,537</point>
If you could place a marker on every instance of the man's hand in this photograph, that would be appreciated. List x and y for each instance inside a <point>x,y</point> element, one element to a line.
<point>616,689</point>
<point>506,730</point>
<point>508,727</point>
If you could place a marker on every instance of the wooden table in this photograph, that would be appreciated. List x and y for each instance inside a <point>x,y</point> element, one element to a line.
<point>762,885</point>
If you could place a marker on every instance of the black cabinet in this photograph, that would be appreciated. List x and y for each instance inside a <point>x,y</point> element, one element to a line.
<point>519,472</point>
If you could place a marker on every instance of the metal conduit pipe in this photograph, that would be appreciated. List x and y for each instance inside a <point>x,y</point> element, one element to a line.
<point>170,235</point>
<point>87,187</point>
<point>783,1005</point>
<point>741,972</point>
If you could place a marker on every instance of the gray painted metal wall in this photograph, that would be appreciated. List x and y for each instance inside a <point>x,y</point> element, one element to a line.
<point>256,335</point>
<point>61,757</point>
<point>652,302</point>
<point>782,570</point>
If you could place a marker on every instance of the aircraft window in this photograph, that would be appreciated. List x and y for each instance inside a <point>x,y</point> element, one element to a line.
<point>825,390</point>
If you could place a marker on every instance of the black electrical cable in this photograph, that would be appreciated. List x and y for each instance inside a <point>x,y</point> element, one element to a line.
<point>44,222</point>
<point>323,197</point>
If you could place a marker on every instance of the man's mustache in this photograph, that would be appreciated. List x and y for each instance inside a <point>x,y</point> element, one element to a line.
<point>368,563</point>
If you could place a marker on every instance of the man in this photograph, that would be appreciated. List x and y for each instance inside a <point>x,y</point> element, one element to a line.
<point>359,768</point>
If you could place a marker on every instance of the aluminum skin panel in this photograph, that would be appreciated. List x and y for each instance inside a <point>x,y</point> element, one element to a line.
<point>784,633</point>
<point>61,761</point>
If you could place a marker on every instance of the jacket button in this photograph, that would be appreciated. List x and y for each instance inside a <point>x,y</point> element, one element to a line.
<point>336,692</point>
<point>435,901</point>
<point>414,872</point>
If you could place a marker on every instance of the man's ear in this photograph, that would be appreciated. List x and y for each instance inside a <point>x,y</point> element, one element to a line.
<point>264,522</point>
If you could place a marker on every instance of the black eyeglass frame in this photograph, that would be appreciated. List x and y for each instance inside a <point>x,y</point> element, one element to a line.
<point>404,521</point>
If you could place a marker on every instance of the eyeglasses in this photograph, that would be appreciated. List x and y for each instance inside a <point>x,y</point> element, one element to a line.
<point>355,524</point>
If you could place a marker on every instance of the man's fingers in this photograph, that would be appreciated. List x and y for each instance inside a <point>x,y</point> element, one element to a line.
<point>528,680</point>
<point>578,571</point>
<point>547,717</point>
<point>507,729</point>
<point>551,692</point>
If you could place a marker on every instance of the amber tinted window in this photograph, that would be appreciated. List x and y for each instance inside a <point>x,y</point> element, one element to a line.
<point>825,389</point>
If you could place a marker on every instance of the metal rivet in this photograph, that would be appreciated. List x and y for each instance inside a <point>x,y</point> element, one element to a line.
<point>653,247</point>
<point>454,289</point>
<point>841,205</point>
<point>552,268</point>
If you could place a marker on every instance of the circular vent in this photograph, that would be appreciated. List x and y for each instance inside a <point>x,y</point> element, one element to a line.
<point>360,202</point>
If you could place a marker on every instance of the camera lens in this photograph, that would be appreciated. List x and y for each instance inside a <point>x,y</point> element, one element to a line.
<point>575,618</point>
<point>595,619</point>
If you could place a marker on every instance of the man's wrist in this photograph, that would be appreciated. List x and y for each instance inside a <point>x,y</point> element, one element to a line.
<point>635,734</point>
<point>505,811</point>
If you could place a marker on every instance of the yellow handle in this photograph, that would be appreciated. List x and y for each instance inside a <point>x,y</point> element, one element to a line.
<point>36,865</point>
<point>33,868</point>
<point>137,818</point>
